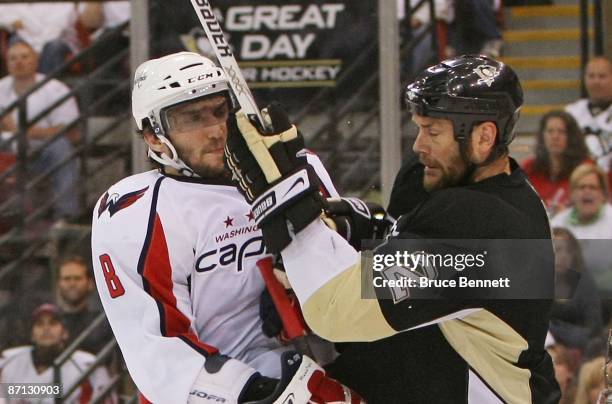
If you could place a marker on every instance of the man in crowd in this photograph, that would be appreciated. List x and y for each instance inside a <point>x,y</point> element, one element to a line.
<point>34,364</point>
<point>74,289</point>
<point>22,62</point>
<point>430,344</point>
<point>594,113</point>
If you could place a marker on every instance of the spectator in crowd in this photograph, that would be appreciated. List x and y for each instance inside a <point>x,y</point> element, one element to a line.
<point>560,148</point>
<point>590,381</point>
<point>99,17</point>
<point>75,287</point>
<point>22,65</point>
<point>422,54</point>
<point>590,217</point>
<point>594,113</point>
<point>47,27</point>
<point>100,20</point>
<point>475,28</point>
<point>566,367</point>
<point>34,364</point>
<point>577,307</point>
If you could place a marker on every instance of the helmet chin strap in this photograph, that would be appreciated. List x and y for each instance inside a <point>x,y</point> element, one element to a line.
<point>174,161</point>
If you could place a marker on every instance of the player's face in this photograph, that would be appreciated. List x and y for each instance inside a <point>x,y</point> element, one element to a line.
<point>598,80</point>
<point>198,131</point>
<point>439,152</point>
<point>21,61</point>
<point>48,331</point>
<point>73,284</point>
<point>555,136</point>
<point>588,197</point>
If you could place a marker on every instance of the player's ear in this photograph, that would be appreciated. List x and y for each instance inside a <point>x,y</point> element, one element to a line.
<point>483,140</point>
<point>153,141</point>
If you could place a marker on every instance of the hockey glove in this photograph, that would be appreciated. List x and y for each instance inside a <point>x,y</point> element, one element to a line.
<point>356,220</point>
<point>304,382</point>
<point>222,379</point>
<point>280,186</point>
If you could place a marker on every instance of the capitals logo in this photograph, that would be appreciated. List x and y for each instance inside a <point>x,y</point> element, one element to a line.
<point>114,203</point>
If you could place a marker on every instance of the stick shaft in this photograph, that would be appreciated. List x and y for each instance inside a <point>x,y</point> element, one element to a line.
<point>226,58</point>
<point>292,322</point>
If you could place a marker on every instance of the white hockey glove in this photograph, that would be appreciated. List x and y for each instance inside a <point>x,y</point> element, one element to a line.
<point>304,382</point>
<point>281,186</point>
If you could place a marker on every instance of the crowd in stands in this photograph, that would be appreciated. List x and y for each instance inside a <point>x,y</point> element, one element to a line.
<point>571,169</point>
<point>42,312</point>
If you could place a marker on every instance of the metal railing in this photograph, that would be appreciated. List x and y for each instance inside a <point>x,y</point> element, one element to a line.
<point>101,357</point>
<point>23,241</point>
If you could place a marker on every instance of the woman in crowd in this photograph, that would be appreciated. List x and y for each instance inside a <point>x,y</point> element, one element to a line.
<point>590,381</point>
<point>560,148</point>
<point>576,311</point>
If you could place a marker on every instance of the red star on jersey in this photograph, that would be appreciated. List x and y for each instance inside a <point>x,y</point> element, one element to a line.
<point>228,222</point>
<point>250,216</point>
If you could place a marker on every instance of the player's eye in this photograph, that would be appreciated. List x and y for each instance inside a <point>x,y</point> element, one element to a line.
<point>221,111</point>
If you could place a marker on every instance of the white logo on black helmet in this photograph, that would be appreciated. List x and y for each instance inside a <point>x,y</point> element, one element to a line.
<point>486,73</point>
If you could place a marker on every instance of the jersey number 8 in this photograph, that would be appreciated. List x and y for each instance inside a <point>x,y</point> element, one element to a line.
<point>113,283</point>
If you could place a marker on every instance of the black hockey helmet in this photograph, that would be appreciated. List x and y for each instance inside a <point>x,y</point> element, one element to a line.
<point>468,90</point>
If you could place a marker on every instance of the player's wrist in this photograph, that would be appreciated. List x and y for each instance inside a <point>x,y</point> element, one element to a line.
<point>221,378</point>
<point>258,388</point>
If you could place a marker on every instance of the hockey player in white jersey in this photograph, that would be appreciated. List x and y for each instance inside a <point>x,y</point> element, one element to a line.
<point>175,252</point>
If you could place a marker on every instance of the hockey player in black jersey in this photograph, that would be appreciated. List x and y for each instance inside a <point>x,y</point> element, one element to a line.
<point>424,344</point>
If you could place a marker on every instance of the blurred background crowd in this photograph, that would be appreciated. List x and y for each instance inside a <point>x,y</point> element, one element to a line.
<point>66,135</point>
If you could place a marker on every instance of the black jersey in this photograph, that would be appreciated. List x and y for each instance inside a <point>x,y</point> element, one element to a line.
<point>494,354</point>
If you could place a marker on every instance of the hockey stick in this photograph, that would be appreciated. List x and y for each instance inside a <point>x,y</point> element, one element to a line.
<point>293,322</point>
<point>224,54</point>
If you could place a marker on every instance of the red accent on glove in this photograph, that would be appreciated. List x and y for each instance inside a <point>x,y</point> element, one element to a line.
<point>326,390</point>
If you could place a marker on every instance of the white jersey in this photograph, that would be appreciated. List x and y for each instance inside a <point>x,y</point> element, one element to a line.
<point>597,128</point>
<point>175,266</point>
<point>17,366</point>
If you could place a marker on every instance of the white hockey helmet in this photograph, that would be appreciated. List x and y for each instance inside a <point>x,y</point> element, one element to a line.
<point>167,81</point>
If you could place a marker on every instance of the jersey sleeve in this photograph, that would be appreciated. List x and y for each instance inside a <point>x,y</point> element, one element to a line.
<point>327,187</point>
<point>326,274</point>
<point>142,276</point>
<point>335,283</point>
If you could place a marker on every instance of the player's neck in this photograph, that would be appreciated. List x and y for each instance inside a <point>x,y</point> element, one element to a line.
<point>499,166</point>
<point>171,171</point>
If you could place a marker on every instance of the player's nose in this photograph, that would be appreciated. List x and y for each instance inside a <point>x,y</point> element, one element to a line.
<point>419,144</point>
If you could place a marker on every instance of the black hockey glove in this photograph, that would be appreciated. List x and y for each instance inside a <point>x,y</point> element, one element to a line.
<point>356,220</point>
<point>281,187</point>
<point>302,381</point>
